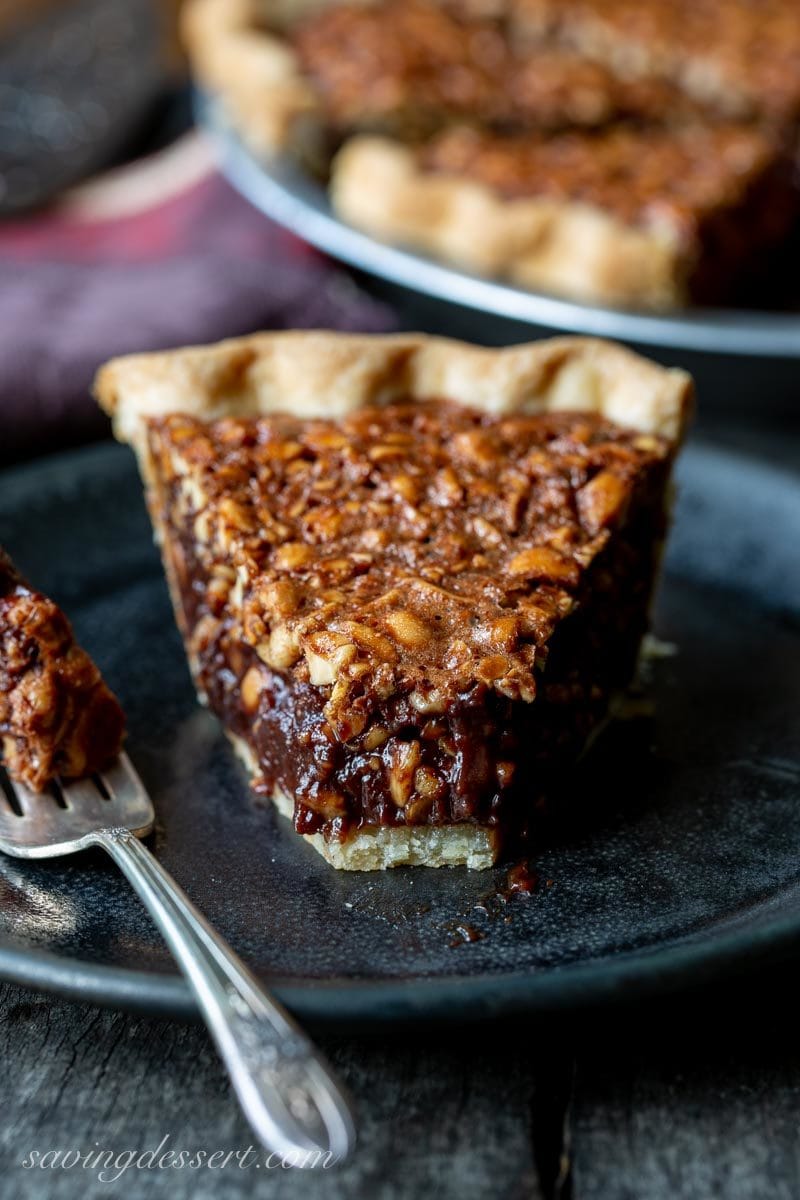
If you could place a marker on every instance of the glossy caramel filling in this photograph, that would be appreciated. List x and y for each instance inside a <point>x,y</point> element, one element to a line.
<point>414,614</point>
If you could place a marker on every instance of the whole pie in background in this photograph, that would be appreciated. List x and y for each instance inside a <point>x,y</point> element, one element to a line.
<point>412,575</point>
<point>640,155</point>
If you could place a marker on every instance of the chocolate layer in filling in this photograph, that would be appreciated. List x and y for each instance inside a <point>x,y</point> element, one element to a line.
<point>411,615</point>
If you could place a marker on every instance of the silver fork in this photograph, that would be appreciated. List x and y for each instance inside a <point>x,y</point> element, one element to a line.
<point>286,1089</point>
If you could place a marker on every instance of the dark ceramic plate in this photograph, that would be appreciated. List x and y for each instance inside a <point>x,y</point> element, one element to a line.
<point>679,859</point>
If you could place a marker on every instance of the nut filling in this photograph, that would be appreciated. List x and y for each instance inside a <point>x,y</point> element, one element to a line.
<point>413,614</point>
<point>57,717</point>
<point>410,67</point>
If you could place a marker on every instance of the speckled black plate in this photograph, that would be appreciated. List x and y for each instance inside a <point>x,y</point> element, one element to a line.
<point>679,858</point>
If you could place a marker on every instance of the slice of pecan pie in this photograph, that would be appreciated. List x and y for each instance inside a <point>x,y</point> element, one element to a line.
<point>411,67</point>
<point>57,716</point>
<point>411,574</point>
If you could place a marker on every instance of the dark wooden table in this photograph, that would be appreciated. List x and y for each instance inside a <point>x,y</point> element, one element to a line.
<point>685,1098</point>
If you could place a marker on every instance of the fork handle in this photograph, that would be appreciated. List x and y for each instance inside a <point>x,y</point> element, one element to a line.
<point>286,1089</point>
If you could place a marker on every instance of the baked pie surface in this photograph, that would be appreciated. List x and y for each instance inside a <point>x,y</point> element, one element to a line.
<point>302,77</point>
<point>57,716</point>
<point>410,574</point>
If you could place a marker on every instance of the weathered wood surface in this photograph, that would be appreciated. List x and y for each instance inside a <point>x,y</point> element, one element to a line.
<point>681,1100</point>
<point>694,1099</point>
<point>436,1116</point>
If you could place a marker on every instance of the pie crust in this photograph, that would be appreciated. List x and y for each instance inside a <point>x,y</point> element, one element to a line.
<point>156,400</point>
<point>326,374</point>
<point>627,217</point>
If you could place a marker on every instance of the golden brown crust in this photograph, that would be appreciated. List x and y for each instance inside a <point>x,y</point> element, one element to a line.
<point>57,716</point>
<point>320,373</point>
<point>560,246</point>
<point>626,216</point>
<point>253,72</point>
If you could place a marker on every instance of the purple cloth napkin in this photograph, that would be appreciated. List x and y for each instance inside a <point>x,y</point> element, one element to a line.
<point>201,266</point>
